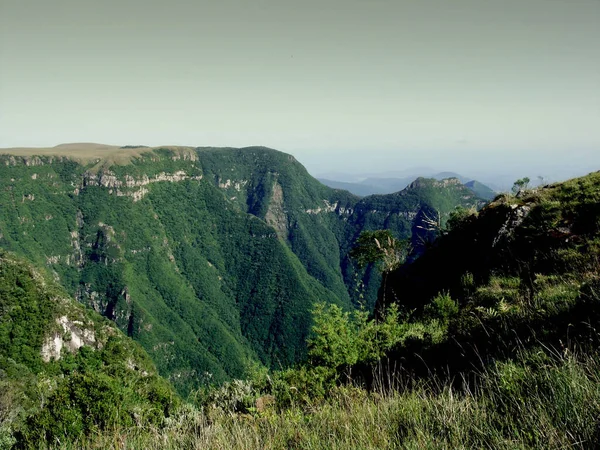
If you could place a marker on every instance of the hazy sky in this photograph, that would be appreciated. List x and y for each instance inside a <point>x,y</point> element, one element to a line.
<point>341,84</point>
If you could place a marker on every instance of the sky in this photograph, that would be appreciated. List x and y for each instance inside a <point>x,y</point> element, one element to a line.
<point>477,86</point>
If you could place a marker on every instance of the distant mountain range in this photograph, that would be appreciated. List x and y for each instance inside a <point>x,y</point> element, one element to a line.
<point>387,185</point>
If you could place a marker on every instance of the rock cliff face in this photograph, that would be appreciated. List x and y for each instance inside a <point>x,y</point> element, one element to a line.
<point>116,186</point>
<point>210,258</point>
<point>276,216</point>
<point>73,335</point>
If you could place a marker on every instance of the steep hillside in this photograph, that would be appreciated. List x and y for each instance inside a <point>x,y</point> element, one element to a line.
<point>415,213</point>
<point>525,271</point>
<point>65,370</point>
<point>210,258</point>
<point>163,249</point>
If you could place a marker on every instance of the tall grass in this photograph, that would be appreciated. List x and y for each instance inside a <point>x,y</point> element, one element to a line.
<point>541,399</point>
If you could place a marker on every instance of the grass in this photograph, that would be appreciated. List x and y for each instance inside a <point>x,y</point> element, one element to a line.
<point>543,399</point>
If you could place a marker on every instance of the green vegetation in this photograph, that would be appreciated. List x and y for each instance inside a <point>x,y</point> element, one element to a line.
<point>488,341</point>
<point>109,382</point>
<point>497,350</point>
<point>233,270</point>
<point>408,215</point>
<point>211,259</point>
<point>516,405</point>
<point>380,248</point>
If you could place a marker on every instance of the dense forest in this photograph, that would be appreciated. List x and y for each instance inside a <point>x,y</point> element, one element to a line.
<point>211,259</point>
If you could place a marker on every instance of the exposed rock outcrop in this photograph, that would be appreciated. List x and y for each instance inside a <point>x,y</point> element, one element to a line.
<point>74,335</point>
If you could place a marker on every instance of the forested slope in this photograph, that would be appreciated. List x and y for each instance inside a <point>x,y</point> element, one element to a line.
<point>211,258</point>
<point>65,371</point>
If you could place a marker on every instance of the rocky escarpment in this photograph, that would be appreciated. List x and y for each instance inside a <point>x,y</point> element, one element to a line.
<point>116,185</point>
<point>62,366</point>
<point>73,335</point>
<point>276,215</point>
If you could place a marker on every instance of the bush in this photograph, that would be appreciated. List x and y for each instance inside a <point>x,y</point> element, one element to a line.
<point>80,405</point>
<point>232,396</point>
<point>335,332</point>
<point>343,339</point>
<point>304,385</point>
<point>442,307</point>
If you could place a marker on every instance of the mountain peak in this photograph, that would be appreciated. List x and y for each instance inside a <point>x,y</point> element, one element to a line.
<point>422,182</point>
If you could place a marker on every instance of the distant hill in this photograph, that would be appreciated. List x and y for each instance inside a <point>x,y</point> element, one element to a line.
<point>360,189</point>
<point>390,185</point>
<point>443,175</point>
<point>371,186</point>
<point>481,190</point>
<point>374,185</point>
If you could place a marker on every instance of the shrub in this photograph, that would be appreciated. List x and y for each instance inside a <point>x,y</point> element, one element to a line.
<point>232,397</point>
<point>81,404</point>
<point>442,307</point>
<point>342,339</point>
<point>333,343</point>
<point>303,385</point>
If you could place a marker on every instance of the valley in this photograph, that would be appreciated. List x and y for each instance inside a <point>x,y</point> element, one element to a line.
<point>178,297</point>
<point>149,301</point>
<point>299,225</point>
<point>211,259</point>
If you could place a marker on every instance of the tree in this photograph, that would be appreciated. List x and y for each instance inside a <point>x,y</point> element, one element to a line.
<point>520,185</point>
<point>380,247</point>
